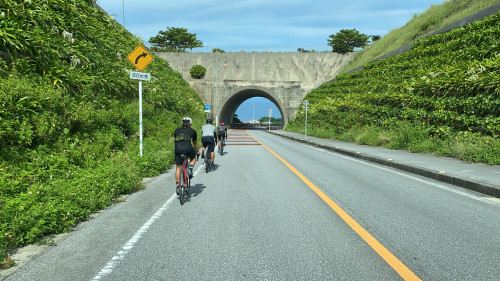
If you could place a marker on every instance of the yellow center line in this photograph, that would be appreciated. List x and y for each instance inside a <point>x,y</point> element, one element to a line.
<point>394,262</point>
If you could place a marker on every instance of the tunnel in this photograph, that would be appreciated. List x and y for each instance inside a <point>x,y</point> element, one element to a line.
<point>230,105</point>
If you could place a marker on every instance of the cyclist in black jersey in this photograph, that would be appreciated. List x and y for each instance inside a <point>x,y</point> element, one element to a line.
<point>185,139</point>
<point>221,135</point>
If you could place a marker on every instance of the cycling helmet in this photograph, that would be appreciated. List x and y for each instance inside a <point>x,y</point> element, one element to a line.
<point>209,121</point>
<point>187,121</point>
<point>222,123</point>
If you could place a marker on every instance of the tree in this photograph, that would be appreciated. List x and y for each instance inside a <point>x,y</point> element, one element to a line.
<point>174,39</point>
<point>274,121</point>
<point>236,120</point>
<point>346,40</point>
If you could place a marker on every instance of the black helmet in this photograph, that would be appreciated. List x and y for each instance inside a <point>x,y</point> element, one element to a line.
<point>209,121</point>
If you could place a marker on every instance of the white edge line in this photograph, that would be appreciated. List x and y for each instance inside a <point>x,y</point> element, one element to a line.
<point>475,197</point>
<point>115,260</point>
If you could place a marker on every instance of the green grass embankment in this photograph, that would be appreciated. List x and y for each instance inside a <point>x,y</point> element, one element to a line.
<point>440,97</point>
<point>432,19</point>
<point>69,117</point>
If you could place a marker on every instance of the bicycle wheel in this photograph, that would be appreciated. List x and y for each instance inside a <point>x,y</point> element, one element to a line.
<point>207,162</point>
<point>182,184</point>
<point>188,188</point>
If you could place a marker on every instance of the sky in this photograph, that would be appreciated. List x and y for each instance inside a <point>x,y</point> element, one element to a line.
<point>256,108</point>
<point>263,25</point>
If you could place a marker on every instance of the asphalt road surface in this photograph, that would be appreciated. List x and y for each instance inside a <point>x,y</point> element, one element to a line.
<point>274,209</point>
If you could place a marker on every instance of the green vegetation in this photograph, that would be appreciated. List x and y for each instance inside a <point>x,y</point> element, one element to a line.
<point>440,97</point>
<point>69,117</point>
<point>274,121</point>
<point>174,39</point>
<point>434,18</point>
<point>198,71</point>
<point>346,40</point>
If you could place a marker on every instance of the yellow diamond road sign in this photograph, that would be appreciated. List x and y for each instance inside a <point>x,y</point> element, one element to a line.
<point>140,57</point>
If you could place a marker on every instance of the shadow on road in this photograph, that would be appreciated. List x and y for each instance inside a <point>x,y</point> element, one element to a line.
<point>196,190</point>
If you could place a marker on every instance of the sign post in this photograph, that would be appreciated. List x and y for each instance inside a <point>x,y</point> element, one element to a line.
<point>207,109</point>
<point>305,107</point>
<point>140,118</point>
<point>270,113</point>
<point>140,58</point>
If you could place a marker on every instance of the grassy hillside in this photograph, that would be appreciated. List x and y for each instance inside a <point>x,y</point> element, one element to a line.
<point>440,97</point>
<point>69,117</point>
<point>432,19</point>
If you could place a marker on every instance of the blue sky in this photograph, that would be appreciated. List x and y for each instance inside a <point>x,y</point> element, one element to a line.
<point>269,24</point>
<point>256,108</point>
<point>263,25</point>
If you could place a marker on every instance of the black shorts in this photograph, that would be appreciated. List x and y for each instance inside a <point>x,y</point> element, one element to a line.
<point>209,143</point>
<point>221,136</point>
<point>189,152</point>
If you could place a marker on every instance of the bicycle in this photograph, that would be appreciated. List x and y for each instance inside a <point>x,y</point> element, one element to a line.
<point>184,180</point>
<point>208,161</point>
<point>222,144</point>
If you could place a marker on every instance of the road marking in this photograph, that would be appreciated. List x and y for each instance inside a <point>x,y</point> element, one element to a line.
<point>202,166</point>
<point>115,260</point>
<point>496,200</point>
<point>488,200</point>
<point>389,258</point>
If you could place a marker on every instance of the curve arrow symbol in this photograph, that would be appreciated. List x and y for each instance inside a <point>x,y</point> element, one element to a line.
<point>143,55</point>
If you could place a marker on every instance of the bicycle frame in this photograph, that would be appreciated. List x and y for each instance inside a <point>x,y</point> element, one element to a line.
<point>185,167</point>
<point>221,146</point>
<point>184,180</point>
<point>208,160</point>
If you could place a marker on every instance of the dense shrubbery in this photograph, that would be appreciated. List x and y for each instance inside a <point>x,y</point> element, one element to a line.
<point>69,117</point>
<point>198,71</point>
<point>442,96</point>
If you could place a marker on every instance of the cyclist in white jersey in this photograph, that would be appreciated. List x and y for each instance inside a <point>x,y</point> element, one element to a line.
<point>208,138</point>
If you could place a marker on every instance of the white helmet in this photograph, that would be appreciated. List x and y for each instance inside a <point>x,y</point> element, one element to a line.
<point>187,120</point>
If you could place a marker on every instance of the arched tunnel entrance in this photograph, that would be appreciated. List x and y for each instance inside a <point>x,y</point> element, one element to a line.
<point>232,78</point>
<point>230,105</point>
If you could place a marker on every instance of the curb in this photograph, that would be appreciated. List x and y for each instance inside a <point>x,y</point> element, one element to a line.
<point>481,187</point>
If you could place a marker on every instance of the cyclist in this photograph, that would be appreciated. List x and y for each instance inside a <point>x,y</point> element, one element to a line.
<point>208,138</point>
<point>221,134</point>
<point>183,137</point>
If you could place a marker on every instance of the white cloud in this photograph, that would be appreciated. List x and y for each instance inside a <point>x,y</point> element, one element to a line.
<point>264,22</point>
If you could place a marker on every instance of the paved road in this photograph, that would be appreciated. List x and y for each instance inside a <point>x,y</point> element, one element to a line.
<point>477,177</point>
<point>275,209</point>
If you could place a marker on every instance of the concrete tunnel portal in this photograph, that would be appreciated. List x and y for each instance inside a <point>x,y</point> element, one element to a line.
<point>230,106</point>
<point>232,78</point>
